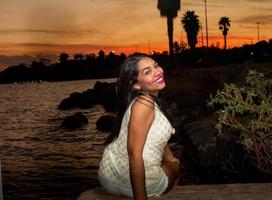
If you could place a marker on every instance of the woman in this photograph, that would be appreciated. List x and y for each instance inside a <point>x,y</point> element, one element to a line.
<point>138,163</point>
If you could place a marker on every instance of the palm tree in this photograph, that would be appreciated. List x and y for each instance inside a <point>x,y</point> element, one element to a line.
<point>191,26</point>
<point>169,9</point>
<point>224,24</point>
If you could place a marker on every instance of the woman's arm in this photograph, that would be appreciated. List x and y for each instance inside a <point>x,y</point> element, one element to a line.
<point>141,118</point>
<point>168,155</point>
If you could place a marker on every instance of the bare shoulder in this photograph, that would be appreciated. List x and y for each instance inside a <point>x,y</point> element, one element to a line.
<point>143,106</point>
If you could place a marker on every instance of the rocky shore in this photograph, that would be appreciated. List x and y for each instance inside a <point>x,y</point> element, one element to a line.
<point>207,157</point>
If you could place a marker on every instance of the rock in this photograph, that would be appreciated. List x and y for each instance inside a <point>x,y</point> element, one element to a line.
<point>208,147</point>
<point>103,93</point>
<point>74,121</point>
<point>79,100</point>
<point>106,93</point>
<point>210,157</point>
<point>70,102</point>
<point>105,123</point>
<point>88,99</point>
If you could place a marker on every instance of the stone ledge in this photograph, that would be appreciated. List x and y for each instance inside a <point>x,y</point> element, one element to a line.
<point>252,191</point>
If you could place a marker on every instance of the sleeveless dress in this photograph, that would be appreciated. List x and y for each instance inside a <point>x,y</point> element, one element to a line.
<point>113,170</point>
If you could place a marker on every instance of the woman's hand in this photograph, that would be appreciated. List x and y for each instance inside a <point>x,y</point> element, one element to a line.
<point>169,157</point>
<point>173,159</point>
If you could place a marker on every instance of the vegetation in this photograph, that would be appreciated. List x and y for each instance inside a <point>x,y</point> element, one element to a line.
<point>191,26</point>
<point>107,66</point>
<point>169,9</point>
<point>78,67</point>
<point>247,109</point>
<point>224,24</point>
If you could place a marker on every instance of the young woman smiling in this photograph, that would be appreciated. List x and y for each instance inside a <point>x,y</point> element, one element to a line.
<point>138,163</point>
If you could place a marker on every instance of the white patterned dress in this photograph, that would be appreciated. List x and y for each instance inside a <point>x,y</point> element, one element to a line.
<point>113,171</point>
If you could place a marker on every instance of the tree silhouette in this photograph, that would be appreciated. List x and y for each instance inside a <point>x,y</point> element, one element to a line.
<point>179,47</point>
<point>169,9</point>
<point>191,26</point>
<point>78,56</point>
<point>63,57</point>
<point>224,24</point>
<point>101,54</point>
<point>90,56</point>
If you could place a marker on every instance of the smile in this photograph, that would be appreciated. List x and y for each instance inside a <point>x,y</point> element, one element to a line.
<point>160,80</point>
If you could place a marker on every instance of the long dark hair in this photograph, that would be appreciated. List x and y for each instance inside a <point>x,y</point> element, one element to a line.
<point>127,77</point>
<point>125,93</point>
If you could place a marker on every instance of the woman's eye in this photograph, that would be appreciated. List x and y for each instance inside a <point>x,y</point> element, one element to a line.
<point>147,72</point>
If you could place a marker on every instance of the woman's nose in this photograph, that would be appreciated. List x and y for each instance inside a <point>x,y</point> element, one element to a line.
<point>158,71</point>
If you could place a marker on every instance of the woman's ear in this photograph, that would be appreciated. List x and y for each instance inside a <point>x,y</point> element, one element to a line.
<point>136,86</point>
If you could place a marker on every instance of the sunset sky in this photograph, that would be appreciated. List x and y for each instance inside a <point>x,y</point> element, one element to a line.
<point>50,27</point>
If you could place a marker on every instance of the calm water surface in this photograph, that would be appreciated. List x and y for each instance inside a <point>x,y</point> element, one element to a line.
<point>41,160</point>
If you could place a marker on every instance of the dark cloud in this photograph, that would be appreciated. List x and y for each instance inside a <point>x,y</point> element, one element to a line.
<point>4,11</point>
<point>259,1</point>
<point>43,31</point>
<point>59,45</point>
<point>201,4</point>
<point>266,9</point>
<point>132,5</point>
<point>33,31</point>
<point>191,4</point>
<point>253,19</point>
<point>136,2</point>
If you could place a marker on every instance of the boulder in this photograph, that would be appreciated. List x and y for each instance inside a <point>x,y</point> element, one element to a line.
<point>88,99</point>
<point>70,102</point>
<point>210,148</point>
<point>85,99</point>
<point>102,93</point>
<point>105,123</point>
<point>106,92</point>
<point>74,121</point>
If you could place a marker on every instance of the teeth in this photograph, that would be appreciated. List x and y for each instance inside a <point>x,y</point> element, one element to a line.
<point>159,80</point>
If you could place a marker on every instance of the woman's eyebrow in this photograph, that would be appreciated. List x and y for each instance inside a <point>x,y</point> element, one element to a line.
<point>145,68</point>
<point>148,67</point>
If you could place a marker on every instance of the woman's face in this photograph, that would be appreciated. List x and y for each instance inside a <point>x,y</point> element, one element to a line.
<point>150,77</point>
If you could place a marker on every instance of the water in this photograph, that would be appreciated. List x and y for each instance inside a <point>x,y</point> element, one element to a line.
<point>41,160</point>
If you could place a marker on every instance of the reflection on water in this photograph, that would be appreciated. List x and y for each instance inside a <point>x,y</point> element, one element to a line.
<point>40,160</point>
